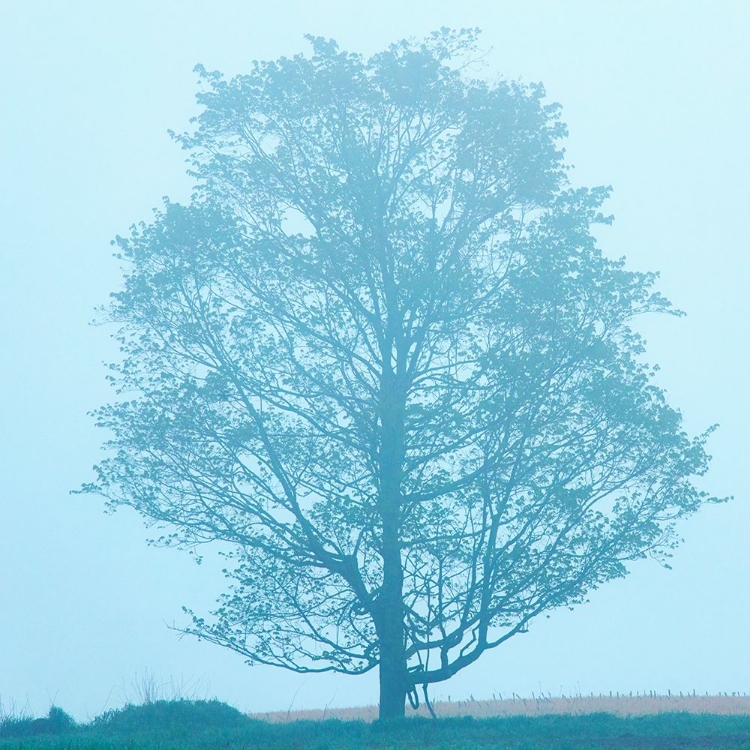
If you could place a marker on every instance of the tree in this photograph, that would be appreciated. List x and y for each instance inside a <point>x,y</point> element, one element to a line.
<point>380,359</point>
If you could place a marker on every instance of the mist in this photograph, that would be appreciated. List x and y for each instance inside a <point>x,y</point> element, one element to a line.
<point>657,106</point>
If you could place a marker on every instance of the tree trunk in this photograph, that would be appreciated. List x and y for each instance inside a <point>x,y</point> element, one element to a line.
<point>390,627</point>
<point>392,686</point>
<point>390,606</point>
<point>389,620</point>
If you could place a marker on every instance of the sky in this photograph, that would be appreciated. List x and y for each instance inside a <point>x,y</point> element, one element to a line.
<point>657,102</point>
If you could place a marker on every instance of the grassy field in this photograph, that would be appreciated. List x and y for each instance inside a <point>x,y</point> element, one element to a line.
<point>211,725</point>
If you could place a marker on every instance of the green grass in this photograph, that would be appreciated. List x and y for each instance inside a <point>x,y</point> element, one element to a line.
<point>211,725</point>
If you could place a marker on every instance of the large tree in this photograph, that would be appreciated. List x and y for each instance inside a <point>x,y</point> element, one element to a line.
<point>380,357</point>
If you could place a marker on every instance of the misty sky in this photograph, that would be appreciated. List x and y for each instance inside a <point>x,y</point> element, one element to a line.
<point>657,100</point>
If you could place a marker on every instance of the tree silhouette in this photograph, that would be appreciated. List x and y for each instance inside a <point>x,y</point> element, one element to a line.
<point>380,356</point>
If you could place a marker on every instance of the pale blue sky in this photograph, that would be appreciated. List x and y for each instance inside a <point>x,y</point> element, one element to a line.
<point>657,99</point>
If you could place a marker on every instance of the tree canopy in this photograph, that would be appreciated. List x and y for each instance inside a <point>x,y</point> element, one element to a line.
<point>380,356</point>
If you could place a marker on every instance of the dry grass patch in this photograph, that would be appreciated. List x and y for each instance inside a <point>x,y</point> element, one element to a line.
<point>619,705</point>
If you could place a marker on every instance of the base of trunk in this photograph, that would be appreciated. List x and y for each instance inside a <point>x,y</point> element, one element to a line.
<point>392,694</point>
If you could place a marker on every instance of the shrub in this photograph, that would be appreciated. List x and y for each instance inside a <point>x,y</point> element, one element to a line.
<point>56,722</point>
<point>182,716</point>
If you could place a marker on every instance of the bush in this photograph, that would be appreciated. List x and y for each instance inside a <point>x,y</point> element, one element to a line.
<point>173,717</point>
<point>57,722</point>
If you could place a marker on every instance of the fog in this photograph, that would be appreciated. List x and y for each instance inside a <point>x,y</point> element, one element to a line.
<point>656,100</point>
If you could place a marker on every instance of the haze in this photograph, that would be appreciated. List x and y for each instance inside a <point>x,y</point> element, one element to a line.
<point>658,106</point>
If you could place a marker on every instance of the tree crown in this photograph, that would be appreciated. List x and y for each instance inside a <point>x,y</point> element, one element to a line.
<point>381,355</point>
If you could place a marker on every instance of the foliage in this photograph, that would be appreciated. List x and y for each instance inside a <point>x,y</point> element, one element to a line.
<point>171,719</point>
<point>381,356</point>
<point>56,722</point>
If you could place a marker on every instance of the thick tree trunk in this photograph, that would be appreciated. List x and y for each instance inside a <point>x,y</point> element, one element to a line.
<point>389,619</point>
<point>392,686</point>
<point>389,616</point>
<point>390,627</point>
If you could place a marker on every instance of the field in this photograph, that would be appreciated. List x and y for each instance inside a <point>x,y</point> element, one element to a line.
<point>647,704</point>
<point>660,723</point>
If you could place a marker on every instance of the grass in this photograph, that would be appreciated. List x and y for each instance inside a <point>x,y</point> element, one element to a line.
<point>212,725</point>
